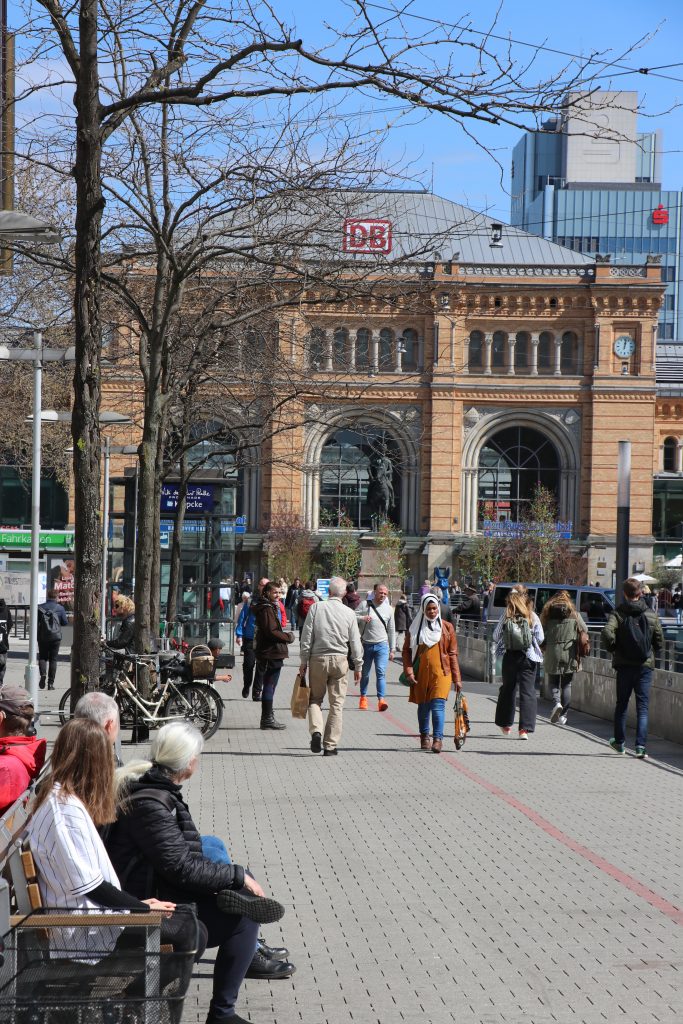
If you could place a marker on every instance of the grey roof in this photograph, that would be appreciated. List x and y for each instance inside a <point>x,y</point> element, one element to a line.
<point>457,229</point>
<point>310,226</point>
<point>670,370</point>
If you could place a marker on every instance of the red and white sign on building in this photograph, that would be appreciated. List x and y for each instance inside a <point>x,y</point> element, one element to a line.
<point>367,235</point>
<point>660,215</point>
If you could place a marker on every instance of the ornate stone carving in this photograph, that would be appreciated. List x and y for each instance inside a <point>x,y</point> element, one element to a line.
<point>628,272</point>
<point>471,418</point>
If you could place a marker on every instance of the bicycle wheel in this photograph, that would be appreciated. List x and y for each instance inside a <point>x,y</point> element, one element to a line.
<point>191,703</point>
<point>65,708</point>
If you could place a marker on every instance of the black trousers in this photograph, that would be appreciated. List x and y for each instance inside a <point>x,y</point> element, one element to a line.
<point>236,939</point>
<point>249,660</point>
<point>518,671</point>
<point>47,661</point>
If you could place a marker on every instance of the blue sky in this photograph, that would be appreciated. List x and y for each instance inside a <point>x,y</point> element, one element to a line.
<point>461,170</point>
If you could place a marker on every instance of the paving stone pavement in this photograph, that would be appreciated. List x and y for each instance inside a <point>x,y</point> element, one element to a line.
<point>511,882</point>
<point>508,882</point>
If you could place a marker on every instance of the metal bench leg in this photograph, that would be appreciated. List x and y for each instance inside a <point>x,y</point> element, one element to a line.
<point>152,1011</point>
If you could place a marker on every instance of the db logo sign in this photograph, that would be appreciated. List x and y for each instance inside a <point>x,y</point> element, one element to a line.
<point>367,236</point>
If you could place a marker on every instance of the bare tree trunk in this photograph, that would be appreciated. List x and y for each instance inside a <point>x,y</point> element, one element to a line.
<point>85,424</point>
<point>155,589</point>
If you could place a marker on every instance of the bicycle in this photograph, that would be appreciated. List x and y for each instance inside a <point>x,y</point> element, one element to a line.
<point>170,699</point>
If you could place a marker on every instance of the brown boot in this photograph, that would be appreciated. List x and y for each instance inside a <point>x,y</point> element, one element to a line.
<point>425,741</point>
<point>436,746</point>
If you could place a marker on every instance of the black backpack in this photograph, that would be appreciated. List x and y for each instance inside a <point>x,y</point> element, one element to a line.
<point>634,638</point>
<point>49,626</point>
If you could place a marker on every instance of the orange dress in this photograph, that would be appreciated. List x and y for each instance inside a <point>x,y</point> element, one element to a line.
<point>431,680</point>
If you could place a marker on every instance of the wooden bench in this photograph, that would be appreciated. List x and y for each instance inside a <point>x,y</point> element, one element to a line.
<point>66,990</point>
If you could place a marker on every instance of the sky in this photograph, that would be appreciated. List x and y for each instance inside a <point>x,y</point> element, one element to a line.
<point>437,151</point>
<point>459,169</point>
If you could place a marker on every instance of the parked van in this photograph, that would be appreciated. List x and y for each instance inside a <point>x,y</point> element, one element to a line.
<point>594,604</point>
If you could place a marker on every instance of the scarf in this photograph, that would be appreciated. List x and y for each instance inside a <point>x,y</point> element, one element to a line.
<point>422,630</point>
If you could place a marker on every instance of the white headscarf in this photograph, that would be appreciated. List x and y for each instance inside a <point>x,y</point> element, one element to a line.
<point>423,630</point>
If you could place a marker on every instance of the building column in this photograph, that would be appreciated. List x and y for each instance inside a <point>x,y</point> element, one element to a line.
<point>465,368</point>
<point>679,457</point>
<point>351,350</point>
<point>374,352</point>
<point>488,340</point>
<point>474,499</point>
<point>398,359</point>
<point>535,338</point>
<point>557,372</point>
<point>512,341</point>
<point>327,348</point>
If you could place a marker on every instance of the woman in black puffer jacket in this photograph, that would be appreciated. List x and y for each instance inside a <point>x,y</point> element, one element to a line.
<point>155,848</point>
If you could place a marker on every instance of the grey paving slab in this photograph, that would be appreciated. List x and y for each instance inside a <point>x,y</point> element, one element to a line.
<point>506,883</point>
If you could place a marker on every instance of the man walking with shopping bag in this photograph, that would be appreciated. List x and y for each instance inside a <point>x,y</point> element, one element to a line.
<point>329,642</point>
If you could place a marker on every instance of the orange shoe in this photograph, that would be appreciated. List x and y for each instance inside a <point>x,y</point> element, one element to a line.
<point>363,704</point>
<point>382,704</point>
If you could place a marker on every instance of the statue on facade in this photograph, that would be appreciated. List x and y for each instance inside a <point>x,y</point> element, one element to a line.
<point>381,496</point>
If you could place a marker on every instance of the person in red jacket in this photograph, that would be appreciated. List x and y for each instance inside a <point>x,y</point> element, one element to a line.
<point>22,754</point>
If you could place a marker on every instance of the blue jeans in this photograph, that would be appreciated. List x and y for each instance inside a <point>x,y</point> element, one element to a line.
<point>215,849</point>
<point>630,679</point>
<point>377,654</point>
<point>437,709</point>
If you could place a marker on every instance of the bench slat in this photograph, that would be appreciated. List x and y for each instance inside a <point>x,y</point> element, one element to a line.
<point>79,919</point>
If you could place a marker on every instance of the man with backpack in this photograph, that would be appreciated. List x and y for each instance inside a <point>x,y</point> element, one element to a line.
<point>51,618</point>
<point>6,622</point>
<point>633,634</point>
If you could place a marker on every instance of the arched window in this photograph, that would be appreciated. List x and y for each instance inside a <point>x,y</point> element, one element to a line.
<point>669,454</point>
<point>362,348</point>
<point>340,342</point>
<point>569,353</point>
<point>546,347</point>
<point>386,349</point>
<point>350,459</point>
<point>316,348</point>
<point>255,349</point>
<point>521,352</point>
<point>499,350</point>
<point>410,345</point>
<point>475,355</point>
<point>513,464</point>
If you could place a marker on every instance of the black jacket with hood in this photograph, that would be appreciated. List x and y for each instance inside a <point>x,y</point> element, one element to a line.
<point>156,849</point>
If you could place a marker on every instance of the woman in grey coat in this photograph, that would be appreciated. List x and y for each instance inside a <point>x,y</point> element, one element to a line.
<point>562,625</point>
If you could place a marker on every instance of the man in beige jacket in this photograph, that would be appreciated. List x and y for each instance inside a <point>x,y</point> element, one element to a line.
<point>329,642</point>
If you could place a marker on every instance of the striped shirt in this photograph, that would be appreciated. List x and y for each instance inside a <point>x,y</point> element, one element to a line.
<point>534,652</point>
<point>71,861</point>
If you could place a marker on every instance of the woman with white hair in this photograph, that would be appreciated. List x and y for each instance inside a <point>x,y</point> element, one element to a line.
<point>430,662</point>
<point>156,847</point>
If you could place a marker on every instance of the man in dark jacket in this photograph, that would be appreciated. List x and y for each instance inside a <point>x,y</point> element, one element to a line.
<point>21,755</point>
<point>51,617</point>
<point>6,622</point>
<point>271,650</point>
<point>470,606</point>
<point>634,635</point>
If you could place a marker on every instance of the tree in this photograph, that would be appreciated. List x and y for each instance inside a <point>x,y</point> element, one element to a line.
<point>341,546</point>
<point>186,69</point>
<point>389,563</point>
<point>289,545</point>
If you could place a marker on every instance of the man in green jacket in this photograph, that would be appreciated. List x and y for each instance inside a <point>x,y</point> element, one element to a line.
<point>634,635</point>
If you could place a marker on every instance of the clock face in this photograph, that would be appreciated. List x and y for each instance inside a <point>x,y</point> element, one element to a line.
<point>624,346</point>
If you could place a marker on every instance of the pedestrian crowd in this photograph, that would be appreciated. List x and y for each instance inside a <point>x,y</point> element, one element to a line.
<point>123,838</point>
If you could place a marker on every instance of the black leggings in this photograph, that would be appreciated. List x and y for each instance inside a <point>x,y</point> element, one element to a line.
<point>236,940</point>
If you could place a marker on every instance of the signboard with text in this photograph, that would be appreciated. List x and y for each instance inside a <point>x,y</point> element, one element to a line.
<point>199,498</point>
<point>367,235</point>
<point>508,529</point>
<point>57,540</point>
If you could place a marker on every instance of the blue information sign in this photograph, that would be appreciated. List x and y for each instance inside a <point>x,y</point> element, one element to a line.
<point>199,498</point>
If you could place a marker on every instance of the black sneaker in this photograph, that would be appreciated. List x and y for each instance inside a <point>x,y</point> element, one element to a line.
<point>245,691</point>
<point>316,743</point>
<point>264,969</point>
<point>330,753</point>
<point>261,909</point>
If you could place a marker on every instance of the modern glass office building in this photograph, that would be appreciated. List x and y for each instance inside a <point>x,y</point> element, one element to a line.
<point>590,181</point>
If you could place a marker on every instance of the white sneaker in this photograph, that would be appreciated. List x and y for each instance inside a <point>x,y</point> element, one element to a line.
<point>562,720</point>
<point>555,714</point>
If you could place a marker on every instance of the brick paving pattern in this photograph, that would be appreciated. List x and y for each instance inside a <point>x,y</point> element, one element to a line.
<point>506,883</point>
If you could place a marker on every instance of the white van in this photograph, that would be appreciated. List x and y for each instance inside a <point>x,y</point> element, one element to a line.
<point>593,604</point>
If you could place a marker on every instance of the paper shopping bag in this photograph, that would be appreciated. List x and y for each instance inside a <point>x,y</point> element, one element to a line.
<point>300,697</point>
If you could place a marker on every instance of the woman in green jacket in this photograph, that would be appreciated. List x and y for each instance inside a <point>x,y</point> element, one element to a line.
<point>562,625</point>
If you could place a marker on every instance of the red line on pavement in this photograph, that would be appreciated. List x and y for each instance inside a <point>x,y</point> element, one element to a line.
<point>628,881</point>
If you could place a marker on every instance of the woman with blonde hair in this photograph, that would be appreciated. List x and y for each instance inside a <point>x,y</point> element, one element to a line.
<point>430,662</point>
<point>124,609</point>
<point>562,626</point>
<point>518,638</point>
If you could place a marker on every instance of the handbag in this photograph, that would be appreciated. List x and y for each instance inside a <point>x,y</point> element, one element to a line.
<point>403,678</point>
<point>584,644</point>
<point>301,696</point>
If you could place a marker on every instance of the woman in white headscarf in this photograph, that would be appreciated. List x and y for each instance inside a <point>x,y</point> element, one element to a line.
<point>430,662</point>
